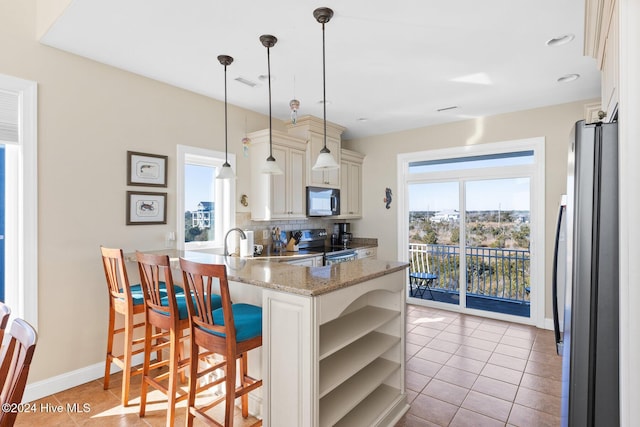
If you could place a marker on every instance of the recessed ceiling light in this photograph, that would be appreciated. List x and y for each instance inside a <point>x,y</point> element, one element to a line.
<point>265,77</point>
<point>245,81</point>
<point>324,102</point>
<point>362,119</point>
<point>560,40</point>
<point>453,107</point>
<point>568,78</point>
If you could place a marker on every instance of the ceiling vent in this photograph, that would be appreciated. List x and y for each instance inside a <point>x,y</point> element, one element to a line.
<point>245,81</point>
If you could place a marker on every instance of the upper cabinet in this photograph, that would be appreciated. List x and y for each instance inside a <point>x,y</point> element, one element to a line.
<point>601,43</point>
<point>283,196</point>
<point>351,184</point>
<point>278,196</point>
<point>311,129</point>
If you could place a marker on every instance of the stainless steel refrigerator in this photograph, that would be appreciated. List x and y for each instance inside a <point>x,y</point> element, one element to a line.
<point>589,341</point>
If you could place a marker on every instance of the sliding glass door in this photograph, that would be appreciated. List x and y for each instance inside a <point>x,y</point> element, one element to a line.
<point>497,228</point>
<point>434,238</point>
<point>469,222</point>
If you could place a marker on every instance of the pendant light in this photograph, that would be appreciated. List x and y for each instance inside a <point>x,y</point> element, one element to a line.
<point>225,171</point>
<point>270,166</point>
<point>325,160</point>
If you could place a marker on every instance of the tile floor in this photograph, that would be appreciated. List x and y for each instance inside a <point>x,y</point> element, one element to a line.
<point>461,371</point>
<point>105,409</point>
<point>470,371</point>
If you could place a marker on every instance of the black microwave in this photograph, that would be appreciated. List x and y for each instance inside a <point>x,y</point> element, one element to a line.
<point>323,201</point>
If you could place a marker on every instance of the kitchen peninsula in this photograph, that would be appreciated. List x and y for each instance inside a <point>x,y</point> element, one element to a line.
<point>333,338</point>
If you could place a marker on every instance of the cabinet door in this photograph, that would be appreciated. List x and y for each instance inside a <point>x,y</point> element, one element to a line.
<point>351,189</point>
<point>609,85</point>
<point>279,208</point>
<point>296,180</point>
<point>344,189</point>
<point>355,189</point>
<point>330,179</point>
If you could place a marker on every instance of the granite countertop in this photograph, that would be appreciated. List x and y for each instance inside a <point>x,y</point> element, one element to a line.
<point>269,255</point>
<point>310,281</point>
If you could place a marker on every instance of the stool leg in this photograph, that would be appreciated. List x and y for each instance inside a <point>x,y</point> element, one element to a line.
<point>145,368</point>
<point>107,364</point>
<point>173,378</point>
<point>243,379</point>
<point>230,397</point>
<point>193,381</point>
<point>126,371</point>
<point>181,356</point>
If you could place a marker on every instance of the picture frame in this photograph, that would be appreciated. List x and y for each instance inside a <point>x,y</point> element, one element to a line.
<point>145,208</point>
<point>146,169</point>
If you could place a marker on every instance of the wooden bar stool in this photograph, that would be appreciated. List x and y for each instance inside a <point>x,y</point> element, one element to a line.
<point>166,310</point>
<point>14,368</point>
<point>127,301</point>
<point>230,331</point>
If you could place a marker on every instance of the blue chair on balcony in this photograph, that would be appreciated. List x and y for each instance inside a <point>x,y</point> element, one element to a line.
<point>420,276</point>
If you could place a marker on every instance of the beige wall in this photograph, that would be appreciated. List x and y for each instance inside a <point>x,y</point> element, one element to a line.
<point>380,169</point>
<point>89,115</point>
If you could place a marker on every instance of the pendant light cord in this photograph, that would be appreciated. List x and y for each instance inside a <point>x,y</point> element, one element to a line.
<point>269,76</point>
<point>324,90</point>
<point>226,161</point>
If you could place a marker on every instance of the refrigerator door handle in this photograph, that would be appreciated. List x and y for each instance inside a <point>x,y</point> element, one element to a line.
<point>554,282</point>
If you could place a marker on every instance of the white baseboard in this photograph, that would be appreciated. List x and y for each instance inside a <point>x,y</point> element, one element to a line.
<point>548,324</point>
<point>40,389</point>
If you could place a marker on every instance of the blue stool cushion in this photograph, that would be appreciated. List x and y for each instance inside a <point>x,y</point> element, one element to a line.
<point>181,301</point>
<point>247,319</point>
<point>138,296</point>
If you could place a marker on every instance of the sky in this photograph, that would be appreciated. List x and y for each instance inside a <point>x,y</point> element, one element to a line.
<point>497,194</point>
<point>201,192</point>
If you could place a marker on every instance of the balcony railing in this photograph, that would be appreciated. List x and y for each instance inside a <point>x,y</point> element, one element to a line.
<point>497,273</point>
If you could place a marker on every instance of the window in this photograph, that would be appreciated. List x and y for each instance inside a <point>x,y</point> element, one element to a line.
<point>206,205</point>
<point>18,130</point>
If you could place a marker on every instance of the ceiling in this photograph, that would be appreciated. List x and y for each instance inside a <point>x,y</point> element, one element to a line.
<point>390,66</point>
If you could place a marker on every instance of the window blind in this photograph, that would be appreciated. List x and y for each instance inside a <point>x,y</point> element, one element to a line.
<point>9,116</point>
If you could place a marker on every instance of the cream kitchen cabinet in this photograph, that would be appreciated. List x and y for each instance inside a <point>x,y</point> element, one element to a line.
<point>311,129</point>
<point>351,184</point>
<point>601,42</point>
<point>278,196</point>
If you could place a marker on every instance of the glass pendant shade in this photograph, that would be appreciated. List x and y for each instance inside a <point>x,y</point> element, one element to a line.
<point>226,172</point>
<point>270,167</point>
<point>325,160</point>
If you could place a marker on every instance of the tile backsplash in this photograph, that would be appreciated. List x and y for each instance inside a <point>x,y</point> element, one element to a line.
<point>243,221</point>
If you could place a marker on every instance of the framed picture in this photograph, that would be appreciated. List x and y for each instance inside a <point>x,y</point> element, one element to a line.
<point>146,208</point>
<point>146,169</point>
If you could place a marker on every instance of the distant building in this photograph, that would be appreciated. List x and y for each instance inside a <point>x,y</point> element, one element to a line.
<point>202,217</point>
<point>445,216</point>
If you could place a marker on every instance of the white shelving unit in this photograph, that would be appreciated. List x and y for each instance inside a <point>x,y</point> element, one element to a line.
<point>341,332</point>
<point>361,357</point>
<point>355,390</point>
<point>338,358</point>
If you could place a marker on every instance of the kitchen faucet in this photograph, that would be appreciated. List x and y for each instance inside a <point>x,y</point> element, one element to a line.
<point>242,237</point>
